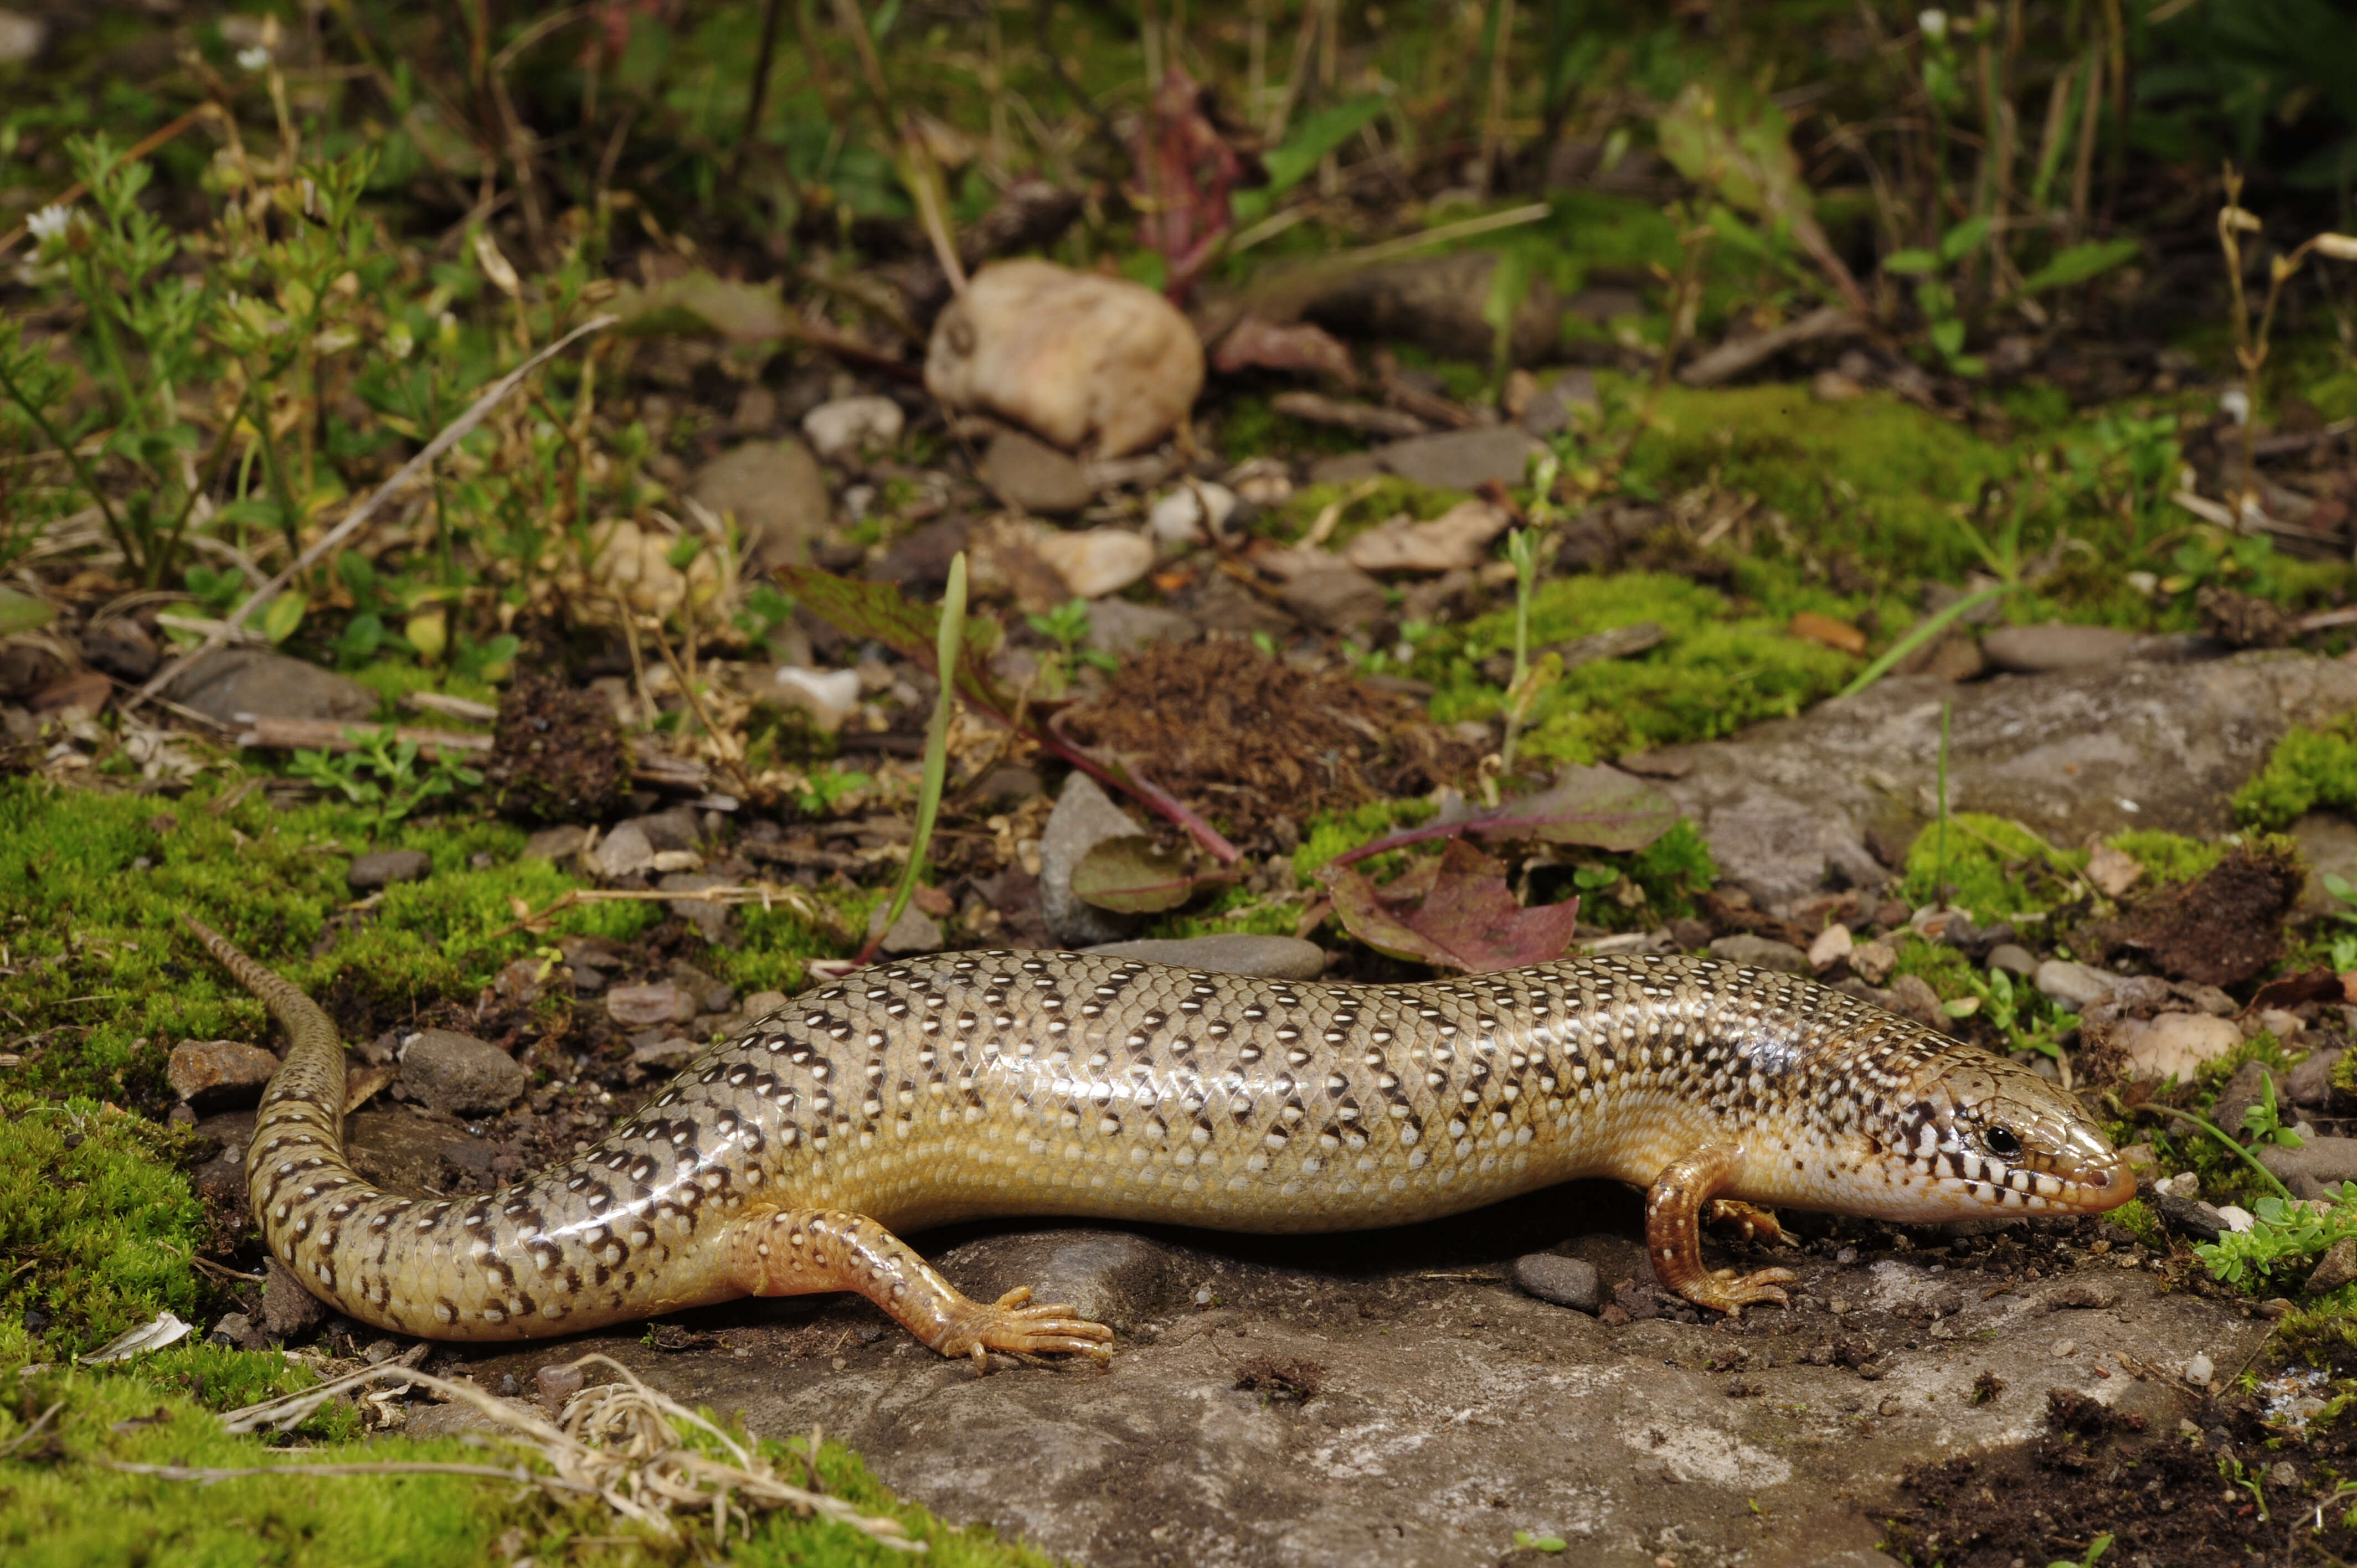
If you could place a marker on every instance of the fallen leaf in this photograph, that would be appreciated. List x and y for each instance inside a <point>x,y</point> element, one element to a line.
<point>1458,540</point>
<point>2113,871</point>
<point>162,1330</point>
<point>19,611</point>
<point>1133,874</point>
<point>2291,990</point>
<point>1599,807</point>
<point>1454,911</point>
<point>1833,633</point>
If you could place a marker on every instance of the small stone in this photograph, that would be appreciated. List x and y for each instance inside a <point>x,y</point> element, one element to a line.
<point>1832,386</point>
<point>667,1051</point>
<point>558,1383</point>
<point>776,492</point>
<point>2199,1370</point>
<point>1567,1282</point>
<point>1760,952</point>
<point>762,1004</point>
<point>2335,1268</point>
<point>1831,945</point>
<point>219,1075</point>
<point>1096,560</point>
<point>1458,540</point>
<point>645,1006</point>
<point>914,932</point>
<point>2066,1347</point>
<point>674,829</point>
<point>2014,958</point>
<point>2317,1165</point>
<point>384,867</point>
<point>2310,1083</point>
<point>1119,628</point>
<point>1083,817</point>
<point>559,843</point>
<point>2172,1045</point>
<point>2237,1218</point>
<point>1550,411</point>
<point>1026,473</point>
<point>2035,650</point>
<point>850,425</point>
<point>625,852</point>
<point>2078,986</point>
<point>829,696</point>
<point>460,1075</point>
<point>708,915</point>
<point>118,645</point>
<point>1911,997</point>
<point>1336,597</point>
<point>1192,514</point>
<point>239,1330</point>
<point>1274,957</point>
<point>1462,459</point>
<point>287,1309</point>
<point>1873,961</point>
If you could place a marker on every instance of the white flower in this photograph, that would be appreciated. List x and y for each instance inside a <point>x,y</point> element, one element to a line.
<point>1934,23</point>
<point>2235,405</point>
<point>255,57</point>
<point>51,222</point>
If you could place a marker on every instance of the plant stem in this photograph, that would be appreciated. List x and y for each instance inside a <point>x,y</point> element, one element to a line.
<point>1940,858</point>
<point>81,468</point>
<point>2241,1152</point>
<point>948,645</point>
<point>1923,632</point>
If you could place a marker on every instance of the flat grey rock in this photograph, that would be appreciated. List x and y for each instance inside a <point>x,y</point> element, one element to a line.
<point>1567,1282</point>
<point>1760,952</point>
<point>1335,597</point>
<point>384,868</point>
<point>1790,804</point>
<point>219,1075</point>
<point>674,829</point>
<point>287,1309</point>
<point>2077,986</point>
<point>2014,958</point>
<point>776,493</point>
<point>2033,650</point>
<point>461,1075</point>
<point>1273,958</point>
<point>560,842</point>
<point>2315,1165</point>
<point>1550,412</point>
<point>914,932</point>
<point>625,852</point>
<point>1084,817</point>
<point>1029,475</point>
<point>717,921</point>
<point>233,680</point>
<point>1121,628</point>
<point>1462,459</point>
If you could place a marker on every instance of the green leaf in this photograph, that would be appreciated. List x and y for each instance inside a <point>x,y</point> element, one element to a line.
<point>1948,337</point>
<point>1132,875</point>
<point>1907,264</point>
<point>1312,139</point>
<point>2081,262</point>
<point>282,616</point>
<point>20,611</point>
<point>1963,239</point>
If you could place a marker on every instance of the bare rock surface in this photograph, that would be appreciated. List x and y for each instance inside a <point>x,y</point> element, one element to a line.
<point>1449,1408</point>
<point>2129,745</point>
<point>233,680</point>
<point>460,1074</point>
<point>219,1075</point>
<point>1084,817</point>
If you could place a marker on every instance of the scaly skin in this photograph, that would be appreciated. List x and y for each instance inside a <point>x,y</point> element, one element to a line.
<point>993,1083</point>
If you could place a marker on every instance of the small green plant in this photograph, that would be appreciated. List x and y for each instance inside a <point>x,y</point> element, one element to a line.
<point>2264,1120</point>
<point>382,770</point>
<point>1935,294</point>
<point>825,786</point>
<point>2285,1238</point>
<point>1067,626</point>
<point>948,647</point>
<point>2088,1559</point>
<point>1529,1543</point>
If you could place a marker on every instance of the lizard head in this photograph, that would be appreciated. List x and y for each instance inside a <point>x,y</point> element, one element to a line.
<point>1983,1135</point>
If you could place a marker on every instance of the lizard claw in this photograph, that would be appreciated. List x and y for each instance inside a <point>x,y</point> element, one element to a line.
<point>1730,1292</point>
<point>1014,1323</point>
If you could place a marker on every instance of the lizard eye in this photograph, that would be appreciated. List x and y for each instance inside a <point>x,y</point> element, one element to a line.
<point>2000,1142</point>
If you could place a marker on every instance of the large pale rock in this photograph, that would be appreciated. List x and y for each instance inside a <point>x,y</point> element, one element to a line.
<point>2172,1045</point>
<point>1789,805</point>
<point>1096,560</point>
<point>776,492</point>
<point>1082,360</point>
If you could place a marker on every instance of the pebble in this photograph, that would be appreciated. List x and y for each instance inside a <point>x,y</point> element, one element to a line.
<point>914,932</point>
<point>646,1006</point>
<point>849,425</point>
<point>2184,1184</point>
<point>829,696</point>
<point>1911,997</point>
<point>2174,1044</point>
<point>560,842</point>
<point>219,1075</point>
<point>2236,1216</point>
<point>119,645</point>
<point>558,1383</point>
<point>667,1050</point>
<point>2310,1083</point>
<point>2335,1268</point>
<point>1873,961</point>
<point>228,681</point>
<point>2077,986</point>
<point>1026,473</point>
<point>2014,958</point>
<point>287,1309</point>
<point>21,37</point>
<point>1335,597</point>
<point>625,852</point>
<point>1097,561</point>
<point>2066,1347</point>
<point>1462,459</point>
<point>2315,1165</point>
<point>776,493</point>
<point>1273,958</point>
<point>2035,650</point>
<point>761,1003</point>
<point>2200,1369</point>
<point>384,868</point>
<point>1831,945</point>
<point>1120,629</point>
<point>1084,817</point>
<point>460,1075</point>
<point>1192,514</point>
<point>1456,540</point>
<point>1567,1282</point>
<point>1760,952</point>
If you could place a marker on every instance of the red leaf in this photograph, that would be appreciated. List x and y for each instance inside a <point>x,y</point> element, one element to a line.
<point>1454,912</point>
<point>1191,168</point>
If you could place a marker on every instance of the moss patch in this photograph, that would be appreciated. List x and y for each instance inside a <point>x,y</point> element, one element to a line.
<point>1993,867</point>
<point>2309,769</point>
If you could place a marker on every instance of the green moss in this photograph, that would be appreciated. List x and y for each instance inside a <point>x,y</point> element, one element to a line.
<point>1945,969</point>
<point>2168,857</point>
<point>1386,499</point>
<point>1993,867</point>
<point>2308,769</point>
<point>2138,1220</point>
<point>1332,832</point>
<point>96,1225</point>
<point>1715,673</point>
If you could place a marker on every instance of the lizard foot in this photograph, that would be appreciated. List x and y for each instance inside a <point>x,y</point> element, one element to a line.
<point>1749,1222</point>
<point>1730,1292</point>
<point>1013,1323</point>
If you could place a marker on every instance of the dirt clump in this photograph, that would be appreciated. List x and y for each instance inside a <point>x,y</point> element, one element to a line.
<point>558,755</point>
<point>2223,928</point>
<point>1253,740</point>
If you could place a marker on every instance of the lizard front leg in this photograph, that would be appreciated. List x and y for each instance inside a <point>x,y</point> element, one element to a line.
<point>799,1252</point>
<point>1673,1235</point>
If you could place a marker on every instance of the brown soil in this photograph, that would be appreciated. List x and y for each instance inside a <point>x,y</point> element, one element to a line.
<point>2222,930</point>
<point>2164,1495</point>
<point>559,756</point>
<point>1250,739</point>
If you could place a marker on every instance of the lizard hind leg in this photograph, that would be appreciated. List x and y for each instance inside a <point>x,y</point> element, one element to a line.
<point>799,1252</point>
<point>1673,1210</point>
